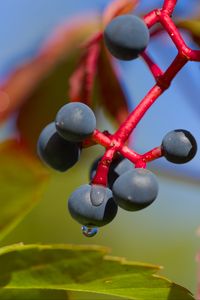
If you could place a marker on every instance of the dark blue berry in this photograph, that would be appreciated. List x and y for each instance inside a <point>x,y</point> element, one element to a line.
<point>126,37</point>
<point>86,213</point>
<point>56,152</point>
<point>135,189</point>
<point>179,146</point>
<point>118,166</point>
<point>75,121</point>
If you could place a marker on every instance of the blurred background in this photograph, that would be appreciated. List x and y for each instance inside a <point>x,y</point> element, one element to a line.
<point>164,233</point>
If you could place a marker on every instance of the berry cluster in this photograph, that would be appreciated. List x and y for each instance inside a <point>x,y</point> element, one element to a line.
<point>119,177</point>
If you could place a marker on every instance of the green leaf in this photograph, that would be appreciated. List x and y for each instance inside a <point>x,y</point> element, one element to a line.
<point>192,26</point>
<point>21,182</point>
<point>83,269</point>
<point>35,294</point>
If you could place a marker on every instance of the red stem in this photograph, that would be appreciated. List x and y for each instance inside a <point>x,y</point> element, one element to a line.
<point>130,154</point>
<point>151,18</point>
<point>152,154</point>
<point>169,6</point>
<point>153,67</point>
<point>194,55</point>
<point>103,167</point>
<point>174,34</point>
<point>115,143</point>
<point>101,139</point>
<point>126,128</point>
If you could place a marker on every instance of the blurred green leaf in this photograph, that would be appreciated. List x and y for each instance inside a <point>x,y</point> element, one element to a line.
<point>83,269</point>
<point>192,26</point>
<point>35,294</point>
<point>21,182</point>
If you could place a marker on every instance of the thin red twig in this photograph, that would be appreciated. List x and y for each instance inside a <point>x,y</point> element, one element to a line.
<point>153,67</point>
<point>152,154</point>
<point>169,6</point>
<point>115,142</point>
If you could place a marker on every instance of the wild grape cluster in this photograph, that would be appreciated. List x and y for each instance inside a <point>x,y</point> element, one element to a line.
<point>129,185</point>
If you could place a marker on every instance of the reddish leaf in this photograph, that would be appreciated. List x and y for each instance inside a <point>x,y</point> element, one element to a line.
<point>112,95</point>
<point>82,80</point>
<point>28,78</point>
<point>118,7</point>
<point>50,93</point>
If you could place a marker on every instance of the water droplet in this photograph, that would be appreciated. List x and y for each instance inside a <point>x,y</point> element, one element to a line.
<point>89,231</point>
<point>97,194</point>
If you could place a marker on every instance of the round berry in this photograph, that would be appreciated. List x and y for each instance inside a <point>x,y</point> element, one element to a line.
<point>75,121</point>
<point>179,146</point>
<point>86,213</point>
<point>56,152</point>
<point>135,189</point>
<point>118,166</point>
<point>126,37</point>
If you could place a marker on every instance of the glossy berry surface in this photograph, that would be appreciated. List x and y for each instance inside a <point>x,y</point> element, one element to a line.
<point>86,213</point>
<point>179,146</point>
<point>75,121</point>
<point>135,189</point>
<point>56,152</point>
<point>118,166</point>
<point>126,37</point>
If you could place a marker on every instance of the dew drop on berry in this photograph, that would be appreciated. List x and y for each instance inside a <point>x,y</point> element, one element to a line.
<point>88,231</point>
<point>97,194</point>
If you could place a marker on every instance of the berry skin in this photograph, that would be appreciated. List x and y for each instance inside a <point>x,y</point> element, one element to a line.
<point>126,37</point>
<point>135,189</point>
<point>56,152</point>
<point>83,211</point>
<point>179,146</point>
<point>118,166</point>
<point>75,121</point>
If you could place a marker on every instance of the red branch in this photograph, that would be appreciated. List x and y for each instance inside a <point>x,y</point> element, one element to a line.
<point>114,143</point>
<point>169,6</point>
<point>153,67</point>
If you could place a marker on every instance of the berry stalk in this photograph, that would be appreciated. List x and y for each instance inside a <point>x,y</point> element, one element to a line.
<point>153,67</point>
<point>169,6</point>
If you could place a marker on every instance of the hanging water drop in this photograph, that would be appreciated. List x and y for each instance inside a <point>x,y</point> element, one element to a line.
<point>89,231</point>
<point>97,194</point>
